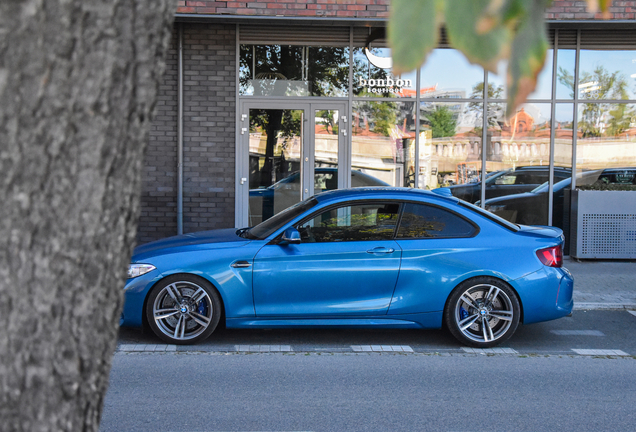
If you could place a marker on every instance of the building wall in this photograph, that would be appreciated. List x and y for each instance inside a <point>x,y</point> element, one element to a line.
<point>209,124</point>
<point>560,10</point>
<point>209,64</point>
<point>158,217</point>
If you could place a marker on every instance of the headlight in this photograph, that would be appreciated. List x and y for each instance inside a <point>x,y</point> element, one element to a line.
<point>136,270</point>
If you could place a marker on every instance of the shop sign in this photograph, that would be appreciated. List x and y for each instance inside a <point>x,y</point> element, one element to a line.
<point>387,85</point>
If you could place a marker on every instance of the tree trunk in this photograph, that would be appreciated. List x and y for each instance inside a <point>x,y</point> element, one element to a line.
<point>78,80</point>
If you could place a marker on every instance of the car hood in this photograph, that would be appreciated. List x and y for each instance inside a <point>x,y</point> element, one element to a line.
<point>509,198</point>
<point>204,240</point>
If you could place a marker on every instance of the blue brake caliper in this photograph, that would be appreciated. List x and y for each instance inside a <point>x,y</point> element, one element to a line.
<point>463,313</point>
<point>203,308</point>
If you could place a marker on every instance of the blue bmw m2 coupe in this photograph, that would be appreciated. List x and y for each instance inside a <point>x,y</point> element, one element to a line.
<point>367,257</point>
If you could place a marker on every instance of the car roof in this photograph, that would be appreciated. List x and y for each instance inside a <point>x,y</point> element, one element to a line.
<point>381,192</point>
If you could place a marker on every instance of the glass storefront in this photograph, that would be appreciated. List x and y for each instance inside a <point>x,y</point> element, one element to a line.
<point>436,127</point>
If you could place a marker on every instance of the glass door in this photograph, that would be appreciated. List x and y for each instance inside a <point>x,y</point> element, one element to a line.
<point>287,154</point>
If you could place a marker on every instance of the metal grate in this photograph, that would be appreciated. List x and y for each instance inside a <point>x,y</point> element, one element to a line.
<point>608,235</point>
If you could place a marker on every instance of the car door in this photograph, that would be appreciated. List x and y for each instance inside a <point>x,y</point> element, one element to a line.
<point>346,264</point>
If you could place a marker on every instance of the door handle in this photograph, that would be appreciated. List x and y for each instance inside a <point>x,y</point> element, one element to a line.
<point>381,250</point>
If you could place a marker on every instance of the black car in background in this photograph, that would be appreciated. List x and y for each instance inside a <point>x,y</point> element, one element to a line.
<point>266,202</point>
<point>531,208</point>
<point>508,182</point>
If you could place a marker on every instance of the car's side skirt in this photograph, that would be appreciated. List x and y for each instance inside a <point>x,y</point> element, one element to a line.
<point>424,320</point>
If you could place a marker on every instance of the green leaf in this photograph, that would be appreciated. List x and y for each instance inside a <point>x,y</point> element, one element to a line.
<point>478,31</point>
<point>527,57</point>
<point>413,32</point>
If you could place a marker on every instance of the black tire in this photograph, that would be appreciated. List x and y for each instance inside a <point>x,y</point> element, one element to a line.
<point>183,309</point>
<point>482,312</point>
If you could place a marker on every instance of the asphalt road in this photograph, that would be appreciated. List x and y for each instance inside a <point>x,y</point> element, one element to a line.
<point>321,384</point>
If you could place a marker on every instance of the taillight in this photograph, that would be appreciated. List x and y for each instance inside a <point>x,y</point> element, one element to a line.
<point>552,256</point>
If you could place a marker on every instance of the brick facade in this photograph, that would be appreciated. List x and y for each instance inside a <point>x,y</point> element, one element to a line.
<point>560,10</point>
<point>158,217</point>
<point>209,140</point>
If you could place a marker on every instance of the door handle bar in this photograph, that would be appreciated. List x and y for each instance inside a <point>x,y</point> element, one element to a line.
<point>381,250</point>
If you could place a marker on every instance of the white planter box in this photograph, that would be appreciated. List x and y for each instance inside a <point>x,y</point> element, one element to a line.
<point>603,224</point>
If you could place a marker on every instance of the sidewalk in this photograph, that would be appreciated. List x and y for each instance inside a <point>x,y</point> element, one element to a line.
<point>603,284</point>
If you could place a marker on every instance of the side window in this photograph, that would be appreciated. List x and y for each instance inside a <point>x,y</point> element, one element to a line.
<point>424,221</point>
<point>361,222</point>
<point>506,179</point>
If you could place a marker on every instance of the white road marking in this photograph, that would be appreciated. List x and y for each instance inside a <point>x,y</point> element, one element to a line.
<point>489,350</point>
<point>146,347</point>
<point>577,332</point>
<point>381,348</point>
<point>632,312</point>
<point>263,348</point>
<point>599,352</point>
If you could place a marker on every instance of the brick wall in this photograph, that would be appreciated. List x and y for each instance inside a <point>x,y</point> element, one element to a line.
<point>209,139</point>
<point>158,217</point>
<point>577,10</point>
<point>297,8</point>
<point>564,10</point>
<point>209,123</point>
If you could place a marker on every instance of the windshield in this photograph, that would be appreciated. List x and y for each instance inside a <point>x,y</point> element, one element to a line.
<point>271,225</point>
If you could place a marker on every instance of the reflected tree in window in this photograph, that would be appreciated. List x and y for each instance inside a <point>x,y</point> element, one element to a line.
<point>279,126</point>
<point>443,121</point>
<point>598,119</point>
<point>496,111</point>
<point>286,70</point>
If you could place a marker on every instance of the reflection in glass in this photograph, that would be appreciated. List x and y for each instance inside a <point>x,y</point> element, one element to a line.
<point>447,74</point>
<point>565,73</point>
<point>450,144</point>
<point>326,150</point>
<point>607,136</point>
<point>363,222</point>
<point>275,147</point>
<point>518,157</point>
<point>607,75</point>
<point>383,142</point>
<point>371,81</point>
<point>285,70</point>
<point>543,90</point>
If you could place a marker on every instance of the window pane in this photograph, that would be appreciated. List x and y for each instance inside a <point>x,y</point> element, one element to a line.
<point>352,223</point>
<point>450,143</point>
<point>422,221</point>
<point>447,74</point>
<point>275,146</point>
<point>565,73</point>
<point>607,75</point>
<point>372,81</point>
<point>383,143</point>
<point>286,70</point>
<point>518,158</point>
<point>543,89</point>
<point>607,138</point>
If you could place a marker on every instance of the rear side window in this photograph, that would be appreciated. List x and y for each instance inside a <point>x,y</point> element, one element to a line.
<point>425,221</point>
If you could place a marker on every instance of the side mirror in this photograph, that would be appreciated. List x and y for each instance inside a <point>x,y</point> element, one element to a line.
<point>290,236</point>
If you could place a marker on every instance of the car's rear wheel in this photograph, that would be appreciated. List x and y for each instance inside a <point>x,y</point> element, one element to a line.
<point>482,312</point>
<point>183,309</point>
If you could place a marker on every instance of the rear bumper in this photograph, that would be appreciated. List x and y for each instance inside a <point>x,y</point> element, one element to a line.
<point>545,294</point>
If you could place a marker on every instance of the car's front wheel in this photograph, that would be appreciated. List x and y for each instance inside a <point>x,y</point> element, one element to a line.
<point>183,309</point>
<point>482,312</point>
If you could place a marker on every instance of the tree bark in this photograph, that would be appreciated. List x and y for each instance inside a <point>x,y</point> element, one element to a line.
<point>78,80</point>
